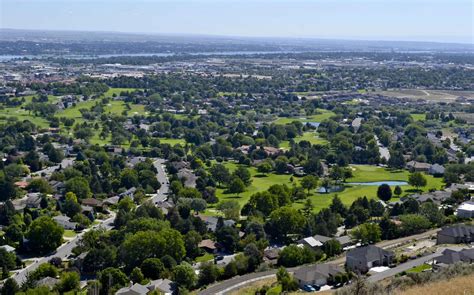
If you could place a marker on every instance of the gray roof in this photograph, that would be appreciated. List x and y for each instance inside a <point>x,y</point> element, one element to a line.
<point>318,271</point>
<point>450,256</point>
<point>457,231</point>
<point>368,253</point>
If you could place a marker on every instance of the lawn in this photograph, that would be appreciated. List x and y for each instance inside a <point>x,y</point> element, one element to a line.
<point>323,115</point>
<point>205,257</point>
<point>69,233</point>
<point>259,183</point>
<point>418,117</point>
<point>173,141</point>
<point>310,136</point>
<point>361,173</point>
<point>419,268</point>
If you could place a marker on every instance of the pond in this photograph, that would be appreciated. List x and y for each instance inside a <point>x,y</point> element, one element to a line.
<point>377,183</point>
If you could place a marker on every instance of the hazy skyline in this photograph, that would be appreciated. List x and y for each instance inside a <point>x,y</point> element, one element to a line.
<point>415,20</point>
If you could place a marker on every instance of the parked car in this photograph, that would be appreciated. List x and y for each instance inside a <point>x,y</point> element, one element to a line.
<point>308,288</point>
<point>317,287</point>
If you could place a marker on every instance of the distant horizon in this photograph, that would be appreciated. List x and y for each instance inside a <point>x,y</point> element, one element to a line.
<point>440,21</point>
<point>217,36</point>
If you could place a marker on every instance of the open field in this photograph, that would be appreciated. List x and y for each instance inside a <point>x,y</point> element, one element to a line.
<point>173,141</point>
<point>418,117</point>
<point>310,136</point>
<point>457,286</point>
<point>323,115</point>
<point>435,95</point>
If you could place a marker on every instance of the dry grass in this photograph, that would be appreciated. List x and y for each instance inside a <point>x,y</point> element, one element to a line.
<point>252,287</point>
<point>460,285</point>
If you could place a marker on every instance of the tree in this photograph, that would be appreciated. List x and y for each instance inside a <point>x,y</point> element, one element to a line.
<point>337,206</point>
<point>284,221</point>
<point>398,191</point>
<point>287,283</point>
<point>69,281</point>
<point>309,182</point>
<point>79,186</point>
<point>10,287</point>
<point>244,175</point>
<point>7,260</point>
<point>137,276</point>
<point>71,207</point>
<point>308,207</point>
<point>40,185</point>
<point>111,279</point>
<point>208,273</point>
<point>230,208</point>
<point>152,268</point>
<point>237,186</point>
<point>228,237</point>
<point>45,235</point>
<point>191,242</point>
<point>264,167</point>
<point>220,173</point>
<point>367,233</point>
<point>432,213</point>
<point>417,180</point>
<point>129,178</point>
<point>332,247</point>
<point>414,223</point>
<point>254,254</point>
<point>384,192</point>
<point>184,275</point>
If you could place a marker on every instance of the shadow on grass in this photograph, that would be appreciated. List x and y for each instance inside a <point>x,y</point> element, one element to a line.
<point>260,175</point>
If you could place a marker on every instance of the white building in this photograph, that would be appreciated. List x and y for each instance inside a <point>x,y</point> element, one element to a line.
<point>466,210</point>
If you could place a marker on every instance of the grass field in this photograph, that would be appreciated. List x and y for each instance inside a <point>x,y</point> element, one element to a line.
<point>457,286</point>
<point>419,268</point>
<point>310,136</point>
<point>418,117</point>
<point>361,173</point>
<point>69,233</point>
<point>205,257</point>
<point>323,115</point>
<point>173,141</point>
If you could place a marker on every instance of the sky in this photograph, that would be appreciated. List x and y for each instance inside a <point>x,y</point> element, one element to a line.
<point>413,20</point>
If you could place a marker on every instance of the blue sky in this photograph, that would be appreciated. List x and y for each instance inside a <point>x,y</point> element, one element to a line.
<point>423,20</point>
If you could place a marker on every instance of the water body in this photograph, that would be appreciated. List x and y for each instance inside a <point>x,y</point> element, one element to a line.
<point>160,54</point>
<point>377,183</point>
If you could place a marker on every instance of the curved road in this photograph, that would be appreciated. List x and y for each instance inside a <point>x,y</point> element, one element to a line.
<point>240,281</point>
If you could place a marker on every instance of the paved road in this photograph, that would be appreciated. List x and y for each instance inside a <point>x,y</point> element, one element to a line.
<point>236,282</point>
<point>66,249</point>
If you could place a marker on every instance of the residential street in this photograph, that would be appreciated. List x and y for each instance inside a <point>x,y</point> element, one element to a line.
<point>228,285</point>
<point>66,249</point>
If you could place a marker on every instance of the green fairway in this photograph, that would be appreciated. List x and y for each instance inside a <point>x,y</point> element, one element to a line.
<point>323,115</point>
<point>310,136</point>
<point>418,117</point>
<point>69,233</point>
<point>173,141</point>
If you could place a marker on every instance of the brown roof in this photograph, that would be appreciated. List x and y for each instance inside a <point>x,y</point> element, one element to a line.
<point>210,244</point>
<point>91,202</point>
<point>21,184</point>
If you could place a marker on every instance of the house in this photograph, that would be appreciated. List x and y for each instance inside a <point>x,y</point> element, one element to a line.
<point>271,255</point>
<point>356,123</point>
<point>33,200</point>
<point>437,197</point>
<point>319,274</point>
<point>310,242</point>
<point>91,202</point>
<point>65,222</point>
<point>456,234</point>
<point>112,201</point>
<point>162,286</point>
<point>208,245</point>
<point>363,258</point>
<point>436,170</point>
<point>8,248</point>
<point>128,193</point>
<point>188,176</point>
<point>49,282</point>
<point>451,257</point>
<point>466,210</point>
<point>418,166</point>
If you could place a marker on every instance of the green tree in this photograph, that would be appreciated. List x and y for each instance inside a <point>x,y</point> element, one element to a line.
<point>264,167</point>
<point>417,180</point>
<point>191,242</point>
<point>69,282</point>
<point>208,273</point>
<point>152,268</point>
<point>230,208</point>
<point>220,173</point>
<point>286,281</point>
<point>384,192</point>
<point>112,279</point>
<point>309,182</point>
<point>184,275</point>
<point>129,178</point>
<point>79,186</point>
<point>432,213</point>
<point>45,235</point>
<point>285,221</point>
<point>398,191</point>
<point>367,233</point>
<point>137,276</point>
<point>414,223</point>
<point>7,260</point>
<point>10,287</point>
<point>332,248</point>
<point>244,175</point>
<point>237,186</point>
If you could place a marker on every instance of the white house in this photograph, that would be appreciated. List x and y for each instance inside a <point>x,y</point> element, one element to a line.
<point>466,210</point>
